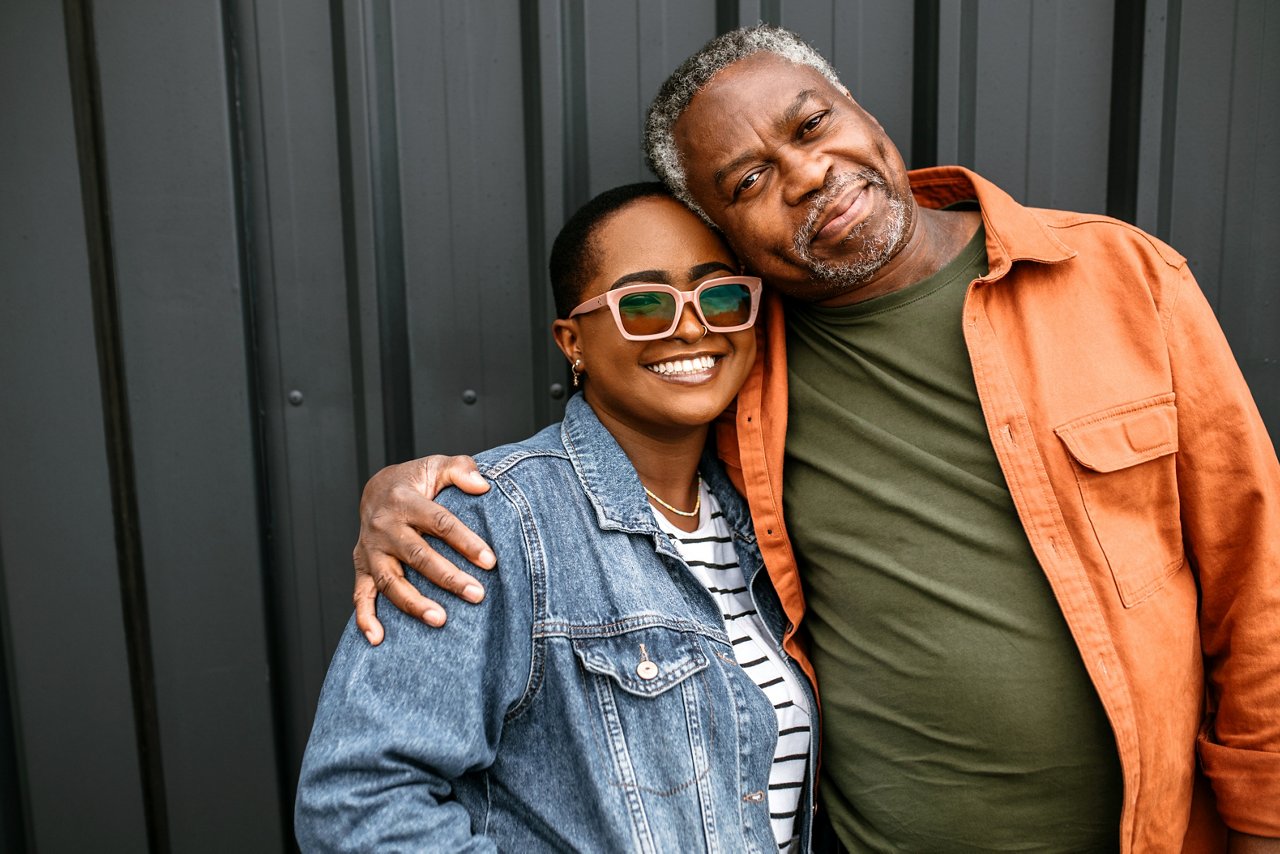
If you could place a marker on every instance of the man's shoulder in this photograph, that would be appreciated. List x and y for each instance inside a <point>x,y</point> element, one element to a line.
<point>1084,231</point>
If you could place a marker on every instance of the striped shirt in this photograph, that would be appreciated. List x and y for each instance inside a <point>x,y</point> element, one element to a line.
<point>711,556</point>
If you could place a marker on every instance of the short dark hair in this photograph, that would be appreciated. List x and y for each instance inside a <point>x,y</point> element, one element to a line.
<point>575,255</point>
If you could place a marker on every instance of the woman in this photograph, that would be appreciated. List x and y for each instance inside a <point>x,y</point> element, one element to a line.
<point>621,687</point>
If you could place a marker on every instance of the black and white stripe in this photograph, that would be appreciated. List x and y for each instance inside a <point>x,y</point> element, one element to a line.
<point>711,557</point>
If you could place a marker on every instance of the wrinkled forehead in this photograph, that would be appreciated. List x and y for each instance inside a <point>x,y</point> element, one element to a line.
<point>754,94</point>
<point>745,108</point>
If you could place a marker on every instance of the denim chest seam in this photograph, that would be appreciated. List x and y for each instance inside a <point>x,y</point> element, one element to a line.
<point>537,585</point>
<point>549,628</point>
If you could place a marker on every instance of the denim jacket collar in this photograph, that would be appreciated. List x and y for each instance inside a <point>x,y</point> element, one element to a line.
<point>613,487</point>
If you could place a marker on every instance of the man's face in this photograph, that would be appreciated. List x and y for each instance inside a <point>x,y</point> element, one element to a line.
<point>810,191</point>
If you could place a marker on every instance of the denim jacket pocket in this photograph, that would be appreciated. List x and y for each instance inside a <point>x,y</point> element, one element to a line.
<point>648,687</point>
<point>1126,470</point>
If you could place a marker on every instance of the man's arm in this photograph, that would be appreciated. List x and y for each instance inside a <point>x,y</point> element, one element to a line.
<point>1229,490</point>
<point>396,510</point>
<point>398,724</point>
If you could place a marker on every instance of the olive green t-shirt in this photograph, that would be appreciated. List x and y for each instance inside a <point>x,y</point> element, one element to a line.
<point>957,714</point>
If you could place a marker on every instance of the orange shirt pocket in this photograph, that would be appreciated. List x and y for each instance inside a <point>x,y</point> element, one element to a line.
<point>1125,466</point>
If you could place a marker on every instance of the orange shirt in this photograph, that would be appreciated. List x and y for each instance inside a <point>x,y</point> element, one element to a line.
<point>1146,484</point>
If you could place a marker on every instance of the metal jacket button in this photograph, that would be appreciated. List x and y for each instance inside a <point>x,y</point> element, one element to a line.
<point>753,797</point>
<point>646,669</point>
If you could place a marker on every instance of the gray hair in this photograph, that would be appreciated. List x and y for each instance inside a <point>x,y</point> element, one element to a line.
<point>694,74</point>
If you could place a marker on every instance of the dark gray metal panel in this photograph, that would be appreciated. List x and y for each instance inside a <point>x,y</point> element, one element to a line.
<point>1249,304</point>
<point>1201,144</point>
<point>629,47</point>
<point>461,136</point>
<point>1024,97</point>
<point>63,636</point>
<point>359,142</point>
<point>869,42</point>
<point>172,176</point>
<point>305,355</point>
<point>1225,178</point>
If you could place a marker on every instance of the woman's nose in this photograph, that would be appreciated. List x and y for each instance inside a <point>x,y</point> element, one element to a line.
<point>690,328</point>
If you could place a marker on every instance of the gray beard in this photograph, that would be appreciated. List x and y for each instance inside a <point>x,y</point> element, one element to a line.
<point>837,277</point>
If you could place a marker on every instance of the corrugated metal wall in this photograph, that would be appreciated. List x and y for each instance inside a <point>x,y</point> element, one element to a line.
<point>252,251</point>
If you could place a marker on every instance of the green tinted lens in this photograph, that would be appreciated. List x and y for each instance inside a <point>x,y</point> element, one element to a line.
<point>647,312</point>
<point>726,305</point>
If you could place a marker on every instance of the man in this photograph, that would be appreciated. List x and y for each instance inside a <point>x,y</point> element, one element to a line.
<point>1032,517</point>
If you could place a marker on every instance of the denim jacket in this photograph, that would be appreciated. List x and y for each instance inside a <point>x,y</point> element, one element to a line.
<point>526,722</point>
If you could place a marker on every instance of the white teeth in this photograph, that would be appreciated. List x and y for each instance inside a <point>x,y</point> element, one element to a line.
<point>684,366</point>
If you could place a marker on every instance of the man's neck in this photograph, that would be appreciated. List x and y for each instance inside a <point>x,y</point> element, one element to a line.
<point>937,237</point>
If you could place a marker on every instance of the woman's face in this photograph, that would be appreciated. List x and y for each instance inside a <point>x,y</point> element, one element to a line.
<point>666,385</point>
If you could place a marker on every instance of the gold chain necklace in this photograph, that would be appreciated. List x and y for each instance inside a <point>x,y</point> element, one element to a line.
<point>688,514</point>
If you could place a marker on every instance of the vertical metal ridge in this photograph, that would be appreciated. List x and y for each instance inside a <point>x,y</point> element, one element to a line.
<point>15,816</point>
<point>577,165</point>
<point>535,206</point>
<point>388,227</point>
<point>87,116</point>
<point>967,119</point>
<point>726,15</point>
<point>1169,119</point>
<point>1127,43</point>
<point>924,85</point>
<point>249,293</point>
<point>350,254</point>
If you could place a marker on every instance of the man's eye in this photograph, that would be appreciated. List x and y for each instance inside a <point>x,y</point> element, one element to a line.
<point>811,124</point>
<point>747,183</point>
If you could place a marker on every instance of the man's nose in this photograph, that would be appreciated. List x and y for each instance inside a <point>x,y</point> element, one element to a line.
<point>803,171</point>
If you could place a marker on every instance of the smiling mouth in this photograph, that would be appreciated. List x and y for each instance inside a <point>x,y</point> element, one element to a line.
<point>689,367</point>
<point>843,211</point>
<point>834,209</point>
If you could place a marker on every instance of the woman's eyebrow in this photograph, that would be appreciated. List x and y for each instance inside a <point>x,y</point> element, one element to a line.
<point>700,270</point>
<point>659,277</point>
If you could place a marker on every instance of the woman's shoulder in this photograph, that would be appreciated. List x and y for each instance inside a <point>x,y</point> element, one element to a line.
<point>533,465</point>
<point>547,446</point>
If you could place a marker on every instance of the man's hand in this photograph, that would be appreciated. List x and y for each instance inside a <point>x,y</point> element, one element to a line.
<point>396,509</point>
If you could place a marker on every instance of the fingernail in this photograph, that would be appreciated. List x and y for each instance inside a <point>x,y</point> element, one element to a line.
<point>433,617</point>
<point>369,637</point>
<point>477,477</point>
<point>473,593</point>
<point>487,559</point>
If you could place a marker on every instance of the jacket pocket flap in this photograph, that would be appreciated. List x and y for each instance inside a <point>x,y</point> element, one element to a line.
<point>644,662</point>
<point>1123,436</point>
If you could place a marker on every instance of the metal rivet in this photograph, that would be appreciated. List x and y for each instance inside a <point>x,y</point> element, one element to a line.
<point>295,397</point>
<point>557,390</point>
<point>469,397</point>
<point>753,797</point>
<point>646,670</point>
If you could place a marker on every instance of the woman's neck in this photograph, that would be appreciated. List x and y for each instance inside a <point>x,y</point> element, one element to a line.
<point>667,464</point>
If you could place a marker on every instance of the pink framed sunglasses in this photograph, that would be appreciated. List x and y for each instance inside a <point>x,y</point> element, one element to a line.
<point>646,312</point>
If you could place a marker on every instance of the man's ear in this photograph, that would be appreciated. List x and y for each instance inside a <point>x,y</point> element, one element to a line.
<point>568,338</point>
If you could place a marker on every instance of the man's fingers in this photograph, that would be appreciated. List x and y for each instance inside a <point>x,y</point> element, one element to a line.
<point>406,597</point>
<point>428,563</point>
<point>461,472</point>
<point>430,518</point>
<point>366,612</point>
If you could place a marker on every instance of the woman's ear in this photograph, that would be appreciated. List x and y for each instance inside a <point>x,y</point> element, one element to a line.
<point>568,339</point>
